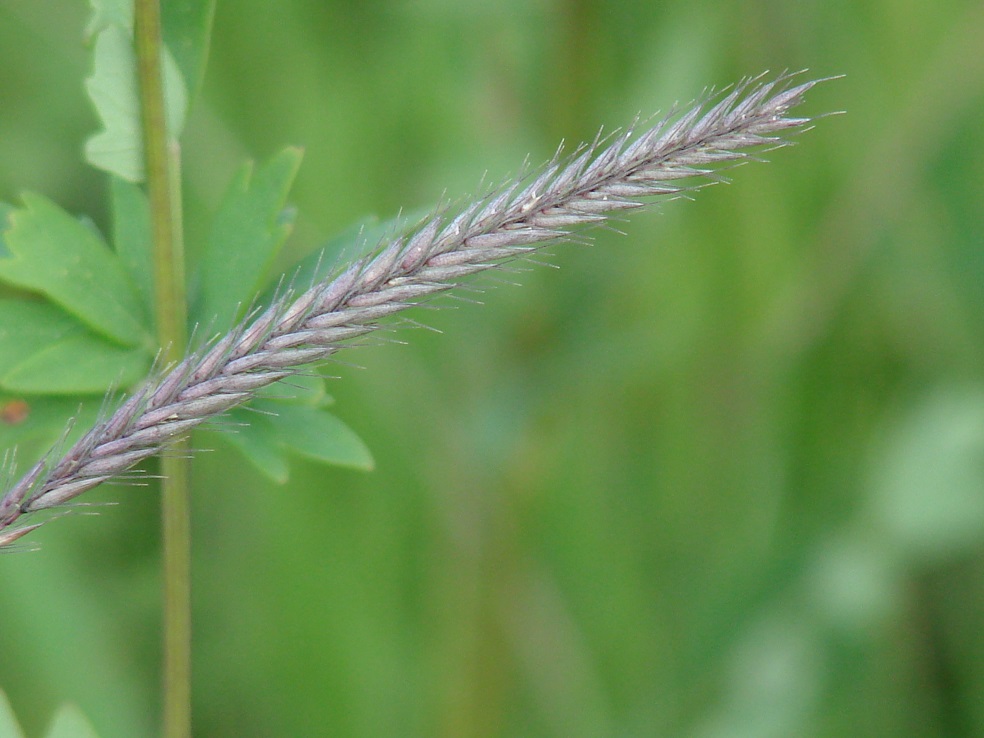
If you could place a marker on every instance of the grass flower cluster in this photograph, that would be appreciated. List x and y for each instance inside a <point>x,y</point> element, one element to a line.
<point>680,152</point>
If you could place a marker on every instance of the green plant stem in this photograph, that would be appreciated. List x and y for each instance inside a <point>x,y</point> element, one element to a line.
<point>162,158</point>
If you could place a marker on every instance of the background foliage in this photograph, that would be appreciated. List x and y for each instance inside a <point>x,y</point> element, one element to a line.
<point>722,477</point>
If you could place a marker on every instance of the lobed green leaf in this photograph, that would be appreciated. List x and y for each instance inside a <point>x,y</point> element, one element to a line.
<point>248,232</point>
<point>132,237</point>
<point>269,431</point>
<point>187,28</point>
<point>318,435</point>
<point>9,727</point>
<point>107,13</point>
<point>255,438</point>
<point>54,254</point>
<point>77,364</point>
<point>69,722</point>
<point>5,211</point>
<point>43,350</point>
<point>113,89</point>
<point>26,327</point>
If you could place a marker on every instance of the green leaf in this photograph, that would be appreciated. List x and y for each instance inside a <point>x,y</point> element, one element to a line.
<point>270,430</point>
<point>107,13</point>
<point>187,32</point>
<point>28,326</point>
<point>113,89</point>
<point>78,365</point>
<point>928,478</point>
<point>318,435</point>
<point>132,237</point>
<point>249,229</point>
<point>54,254</point>
<point>45,351</point>
<point>5,211</point>
<point>255,437</point>
<point>8,723</point>
<point>69,722</point>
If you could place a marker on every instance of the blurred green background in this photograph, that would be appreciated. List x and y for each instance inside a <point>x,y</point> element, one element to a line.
<point>723,476</point>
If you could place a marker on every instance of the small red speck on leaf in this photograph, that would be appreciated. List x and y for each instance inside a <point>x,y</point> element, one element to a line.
<point>14,412</point>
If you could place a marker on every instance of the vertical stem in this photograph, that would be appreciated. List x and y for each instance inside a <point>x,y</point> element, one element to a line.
<point>162,157</point>
<point>177,595</point>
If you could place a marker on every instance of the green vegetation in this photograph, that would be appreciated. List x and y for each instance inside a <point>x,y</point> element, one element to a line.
<point>719,477</point>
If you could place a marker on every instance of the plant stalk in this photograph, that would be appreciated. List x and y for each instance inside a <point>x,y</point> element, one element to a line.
<point>162,161</point>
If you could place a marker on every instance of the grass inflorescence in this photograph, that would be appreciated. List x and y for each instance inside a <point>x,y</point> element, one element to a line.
<point>680,152</point>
